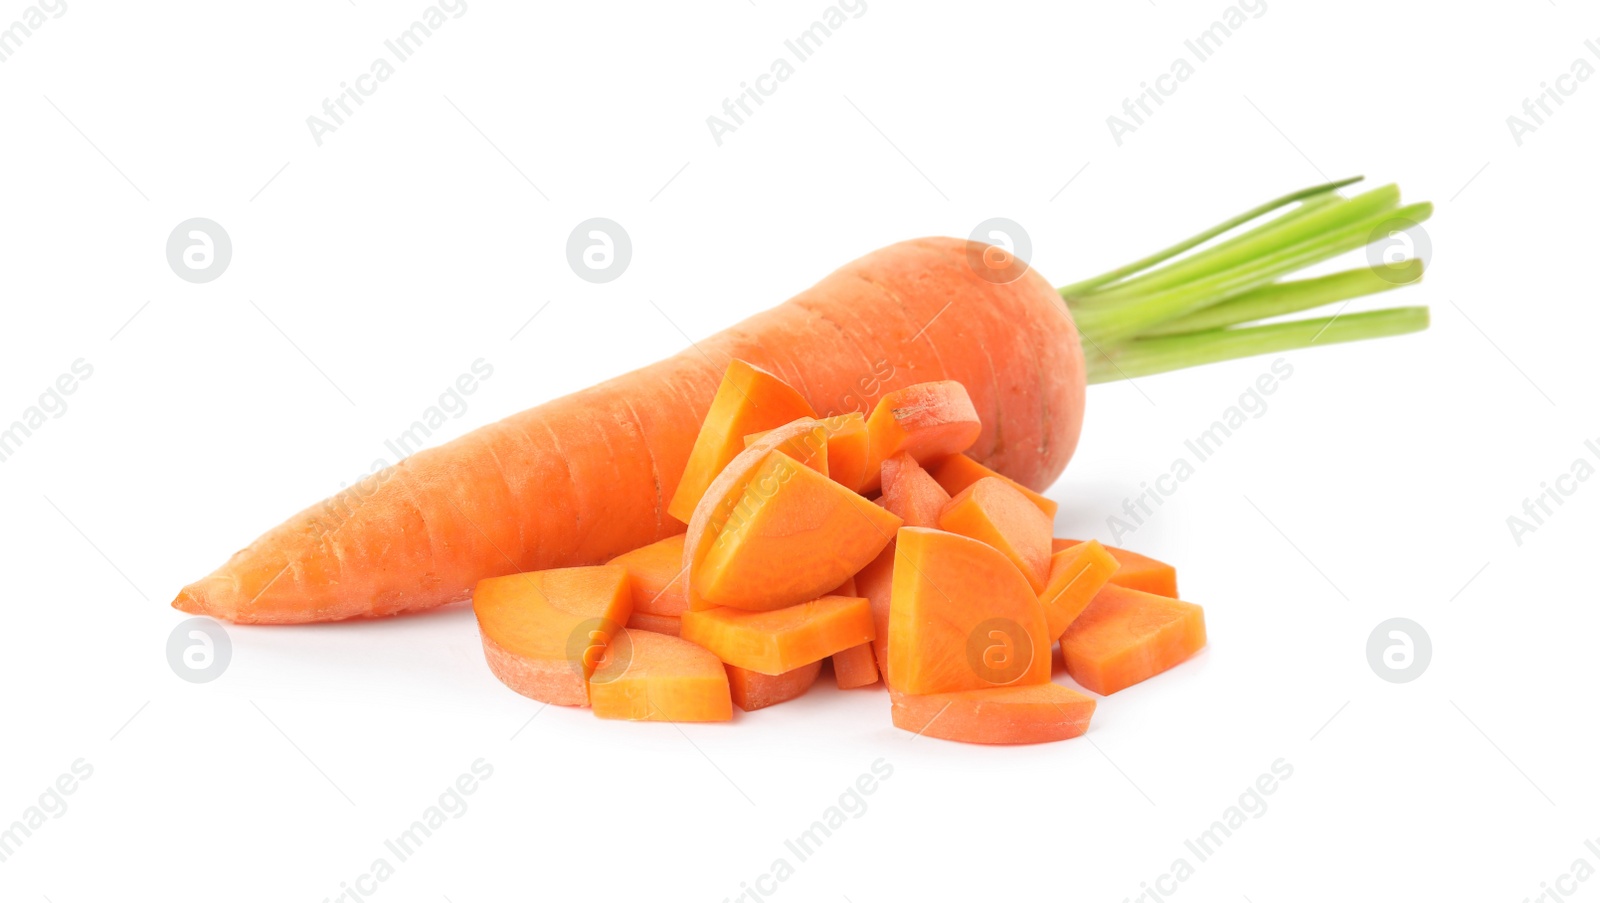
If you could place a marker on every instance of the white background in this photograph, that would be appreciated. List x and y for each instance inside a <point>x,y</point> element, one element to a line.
<point>377,267</point>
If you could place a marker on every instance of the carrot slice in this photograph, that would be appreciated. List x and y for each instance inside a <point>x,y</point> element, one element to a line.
<point>876,583</point>
<point>749,399</point>
<point>645,676</point>
<point>957,472</point>
<point>926,421</point>
<point>753,690</point>
<point>961,617</point>
<point>1135,571</point>
<point>1126,636</point>
<point>847,451</point>
<point>655,623</point>
<point>657,577</point>
<point>911,493</point>
<point>1076,574</point>
<point>773,642</point>
<point>794,535</point>
<point>1036,713</point>
<point>855,667</point>
<point>543,631</point>
<point>992,511</point>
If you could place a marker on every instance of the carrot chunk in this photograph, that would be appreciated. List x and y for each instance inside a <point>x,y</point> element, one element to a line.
<point>1077,573</point>
<point>753,690</point>
<point>991,511</point>
<point>773,642</point>
<point>961,617</point>
<point>543,631</point>
<point>655,623</point>
<point>876,583</point>
<point>793,536</point>
<point>957,472</point>
<point>657,577</point>
<point>645,676</point>
<point>855,667</point>
<point>926,421</point>
<point>1135,571</point>
<point>1035,713</point>
<point>910,493</point>
<point>748,400</point>
<point>1126,636</point>
<point>846,452</point>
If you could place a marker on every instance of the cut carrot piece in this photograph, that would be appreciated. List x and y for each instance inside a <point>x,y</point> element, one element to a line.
<point>847,451</point>
<point>926,421</point>
<point>748,400</point>
<point>794,535</point>
<point>645,676</point>
<point>992,511</point>
<point>722,500</point>
<point>773,642</point>
<point>1126,636</point>
<point>543,631</point>
<point>961,617</point>
<point>1076,574</point>
<point>855,667</point>
<point>1036,713</point>
<point>876,583</point>
<point>655,623</point>
<point>753,690</point>
<point>911,493</point>
<point>657,577</point>
<point>957,472</point>
<point>1135,571</point>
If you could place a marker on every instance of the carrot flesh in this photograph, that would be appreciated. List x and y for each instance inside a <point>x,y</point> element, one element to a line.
<point>911,493</point>
<point>957,472</point>
<point>646,676</point>
<point>855,667</point>
<point>544,631</point>
<point>1034,713</point>
<point>961,617</point>
<point>876,583</point>
<point>926,421</point>
<point>1126,636</point>
<point>1135,571</point>
<point>994,512</point>
<point>845,451</point>
<point>753,690</point>
<point>1077,573</point>
<point>657,577</point>
<point>773,642</point>
<point>665,624</point>
<point>748,399</point>
<point>794,536</point>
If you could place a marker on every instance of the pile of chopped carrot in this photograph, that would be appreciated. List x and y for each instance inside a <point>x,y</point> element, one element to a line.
<point>870,542</point>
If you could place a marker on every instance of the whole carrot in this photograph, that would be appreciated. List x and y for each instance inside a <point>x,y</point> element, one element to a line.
<point>584,478</point>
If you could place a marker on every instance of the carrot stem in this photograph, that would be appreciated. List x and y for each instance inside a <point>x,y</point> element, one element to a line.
<point>1281,298</point>
<point>1142,357</point>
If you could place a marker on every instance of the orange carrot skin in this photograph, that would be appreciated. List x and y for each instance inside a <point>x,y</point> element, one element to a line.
<point>855,667</point>
<point>586,477</point>
<point>753,690</point>
<point>1033,713</point>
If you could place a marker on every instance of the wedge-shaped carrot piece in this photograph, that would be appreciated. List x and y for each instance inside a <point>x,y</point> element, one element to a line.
<point>1035,713</point>
<point>847,450</point>
<point>793,536</point>
<point>911,493</point>
<point>855,667</point>
<point>957,472</point>
<point>753,690</point>
<point>1076,574</point>
<point>721,504</point>
<point>773,642</point>
<point>1135,571</point>
<point>543,631</point>
<point>748,400</point>
<point>657,577</point>
<point>961,617</point>
<point>926,421</point>
<point>992,511</point>
<point>645,676</point>
<point>1126,636</point>
<point>655,623</point>
<point>876,582</point>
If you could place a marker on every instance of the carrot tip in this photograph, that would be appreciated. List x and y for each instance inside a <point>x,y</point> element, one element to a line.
<point>189,601</point>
